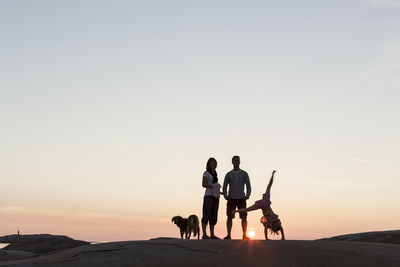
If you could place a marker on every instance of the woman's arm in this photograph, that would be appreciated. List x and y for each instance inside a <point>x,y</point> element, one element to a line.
<point>270,182</point>
<point>205,183</point>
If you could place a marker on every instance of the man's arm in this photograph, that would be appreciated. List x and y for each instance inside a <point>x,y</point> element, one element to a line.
<point>270,182</point>
<point>224,188</point>
<point>248,186</point>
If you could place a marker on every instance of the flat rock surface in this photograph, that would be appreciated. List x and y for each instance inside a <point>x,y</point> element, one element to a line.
<point>6,255</point>
<point>175,252</point>
<point>41,243</point>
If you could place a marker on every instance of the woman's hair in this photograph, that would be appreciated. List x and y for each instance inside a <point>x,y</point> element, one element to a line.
<point>213,172</point>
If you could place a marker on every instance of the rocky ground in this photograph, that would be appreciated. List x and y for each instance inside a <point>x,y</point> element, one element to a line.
<point>176,252</point>
<point>392,237</point>
<point>41,243</point>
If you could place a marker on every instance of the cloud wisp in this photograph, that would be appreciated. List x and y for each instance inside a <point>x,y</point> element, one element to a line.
<point>334,183</point>
<point>11,208</point>
<point>360,160</point>
<point>386,3</point>
<point>387,61</point>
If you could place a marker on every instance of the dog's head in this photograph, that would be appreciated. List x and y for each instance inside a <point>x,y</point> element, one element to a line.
<point>176,219</point>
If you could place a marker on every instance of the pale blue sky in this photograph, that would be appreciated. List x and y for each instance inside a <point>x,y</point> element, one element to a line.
<point>113,106</point>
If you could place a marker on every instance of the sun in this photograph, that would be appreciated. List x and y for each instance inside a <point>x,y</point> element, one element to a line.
<point>251,234</point>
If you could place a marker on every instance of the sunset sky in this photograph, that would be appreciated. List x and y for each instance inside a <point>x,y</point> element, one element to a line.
<point>109,111</point>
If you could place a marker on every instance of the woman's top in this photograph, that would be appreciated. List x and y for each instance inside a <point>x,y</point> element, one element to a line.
<point>214,191</point>
<point>264,203</point>
<point>269,214</point>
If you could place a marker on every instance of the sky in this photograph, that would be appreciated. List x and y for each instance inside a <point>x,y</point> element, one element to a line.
<point>109,111</point>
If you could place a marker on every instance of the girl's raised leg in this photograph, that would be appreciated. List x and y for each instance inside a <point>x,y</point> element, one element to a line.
<point>270,182</point>
<point>251,208</point>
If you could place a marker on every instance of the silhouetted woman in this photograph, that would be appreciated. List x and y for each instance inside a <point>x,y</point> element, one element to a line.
<point>211,198</point>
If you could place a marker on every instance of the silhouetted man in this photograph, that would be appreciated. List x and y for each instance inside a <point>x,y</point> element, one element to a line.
<point>236,179</point>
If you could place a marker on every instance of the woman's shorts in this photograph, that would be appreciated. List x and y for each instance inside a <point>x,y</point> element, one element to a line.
<point>210,210</point>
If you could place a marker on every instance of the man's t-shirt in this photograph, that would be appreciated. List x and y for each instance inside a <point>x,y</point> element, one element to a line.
<point>236,181</point>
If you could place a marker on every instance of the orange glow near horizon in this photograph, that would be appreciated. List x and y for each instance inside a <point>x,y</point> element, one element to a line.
<point>251,234</point>
<point>104,227</point>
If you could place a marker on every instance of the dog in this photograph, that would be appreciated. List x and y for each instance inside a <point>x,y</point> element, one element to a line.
<point>193,226</point>
<point>187,226</point>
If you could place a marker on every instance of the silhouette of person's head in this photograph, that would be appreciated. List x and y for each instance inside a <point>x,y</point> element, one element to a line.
<point>236,162</point>
<point>211,166</point>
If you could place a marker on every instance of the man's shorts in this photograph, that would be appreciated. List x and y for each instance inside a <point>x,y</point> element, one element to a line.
<point>233,204</point>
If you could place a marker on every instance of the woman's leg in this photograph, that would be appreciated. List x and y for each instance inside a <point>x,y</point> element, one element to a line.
<point>211,230</point>
<point>204,227</point>
<point>207,210</point>
<point>214,216</point>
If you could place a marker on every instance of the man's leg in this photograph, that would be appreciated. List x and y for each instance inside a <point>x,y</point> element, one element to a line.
<point>244,226</point>
<point>230,207</point>
<point>243,216</point>
<point>229,226</point>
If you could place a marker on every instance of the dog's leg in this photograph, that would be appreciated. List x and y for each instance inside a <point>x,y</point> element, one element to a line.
<point>187,232</point>
<point>188,237</point>
<point>181,234</point>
